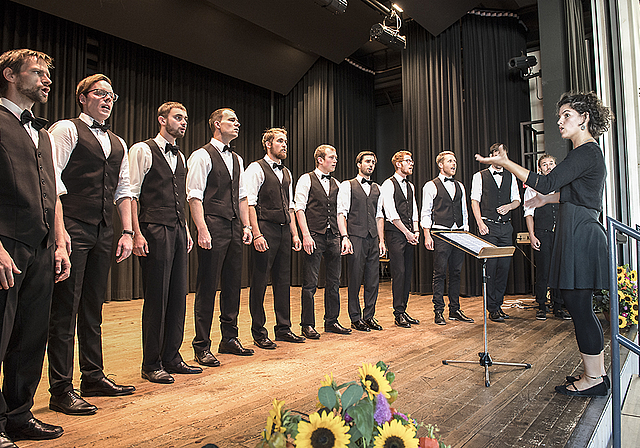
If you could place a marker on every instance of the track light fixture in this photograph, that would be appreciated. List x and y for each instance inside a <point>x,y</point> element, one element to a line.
<point>389,34</point>
<point>333,6</point>
<point>525,64</point>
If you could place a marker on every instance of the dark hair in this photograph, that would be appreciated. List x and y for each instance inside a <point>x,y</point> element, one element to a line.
<point>15,59</point>
<point>364,153</point>
<point>85,85</point>
<point>496,146</point>
<point>600,116</point>
<point>546,156</point>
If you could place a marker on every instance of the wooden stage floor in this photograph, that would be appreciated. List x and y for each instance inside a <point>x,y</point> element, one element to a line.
<point>228,405</point>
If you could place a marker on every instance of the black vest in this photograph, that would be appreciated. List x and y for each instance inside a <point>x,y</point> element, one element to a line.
<point>221,195</point>
<point>273,197</point>
<point>545,217</point>
<point>493,197</point>
<point>446,211</point>
<point>362,212</point>
<point>27,184</point>
<point>91,180</point>
<point>163,192</point>
<point>404,206</point>
<point>322,210</point>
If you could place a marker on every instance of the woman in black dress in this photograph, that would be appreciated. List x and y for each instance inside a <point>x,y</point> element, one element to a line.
<point>579,262</point>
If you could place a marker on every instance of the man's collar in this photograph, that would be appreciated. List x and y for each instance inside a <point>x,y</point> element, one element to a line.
<point>12,107</point>
<point>398,177</point>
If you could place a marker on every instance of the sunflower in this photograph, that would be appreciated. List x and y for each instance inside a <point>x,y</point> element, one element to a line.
<point>328,381</point>
<point>634,307</point>
<point>374,381</point>
<point>274,421</point>
<point>323,431</point>
<point>621,295</point>
<point>634,318</point>
<point>633,275</point>
<point>621,270</point>
<point>620,277</point>
<point>394,434</point>
<point>622,322</point>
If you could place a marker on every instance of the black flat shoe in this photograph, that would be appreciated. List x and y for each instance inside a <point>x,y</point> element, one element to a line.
<point>605,380</point>
<point>411,320</point>
<point>401,321</point>
<point>183,368</point>
<point>34,429</point>
<point>159,376</point>
<point>360,326</point>
<point>234,347</point>
<point>439,319</point>
<point>373,324</point>
<point>309,332</point>
<point>71,403</point>
<point>265,343</point>
<point>104,387</point>
<point>206,358</point>
<point>289,336</point>
<point>336,328</point>
<point>599,390</point>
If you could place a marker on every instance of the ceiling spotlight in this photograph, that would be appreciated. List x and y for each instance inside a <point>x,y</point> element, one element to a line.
<point>333,6</point>
<point>525,64</point>
<point>389,35</point>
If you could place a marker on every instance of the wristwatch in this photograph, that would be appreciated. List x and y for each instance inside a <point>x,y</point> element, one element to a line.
<point>131,233</point>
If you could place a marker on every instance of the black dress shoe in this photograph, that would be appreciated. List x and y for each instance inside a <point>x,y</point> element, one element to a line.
<point>401,321</point>
<point>599,390</point>
<point>6,442</point>
<point>496,316</point>
<point>234,347</point>
<point>265,343</point>
<point>71,403</point>
<point>309,332</point>
<point>360,326</point>
<point>503,314</point>
<point>411,320</point>
<point>206,358</point>
<point>562,314</point>
<point>289,336</point>
<point>459,315</point>
<point>159,376</point>
<point>439,319</point>
<point>183,369</point>
<point>104,387</point>
<point>336,328</point>
<point>373,324</point>
<point>34,429</point>
<point>605,380</point>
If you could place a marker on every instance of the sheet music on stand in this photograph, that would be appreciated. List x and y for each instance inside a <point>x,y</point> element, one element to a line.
<point>472,244</point>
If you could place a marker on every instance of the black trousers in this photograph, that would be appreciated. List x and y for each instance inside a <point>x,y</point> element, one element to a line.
<point>497,268</point>
<point>579,303</point>
<point>221,264</point>
<point>542,258</point>
<point>446,256</point>
<point>401,266</point>
<point>275,261</point>
<point>363,265</point>
<point>327,246</point>
<point>24,318</point>
<point>164,281</point>
<point>80,298</point>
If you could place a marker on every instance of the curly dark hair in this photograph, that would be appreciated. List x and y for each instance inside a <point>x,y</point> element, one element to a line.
<point>600,116</point>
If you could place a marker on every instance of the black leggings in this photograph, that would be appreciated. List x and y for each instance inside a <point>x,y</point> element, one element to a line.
<point>587,326</point>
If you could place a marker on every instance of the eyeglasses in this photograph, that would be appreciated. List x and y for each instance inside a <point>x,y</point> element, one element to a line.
<point>102,93</point>
<point>409,161</point>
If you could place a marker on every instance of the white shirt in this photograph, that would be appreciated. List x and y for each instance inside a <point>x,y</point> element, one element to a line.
<point>65,134</point>
<point>304,185</point>
<point>200,165</point>
<point>389,204</point>
<point>344,197</point>
<point>254,178</point>
<point>429,193</point>
<point>476,184</point>
<point>35,137</point>
<point>141,160</point>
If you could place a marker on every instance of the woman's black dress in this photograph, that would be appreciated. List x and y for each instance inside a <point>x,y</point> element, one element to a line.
<point>579,258</point>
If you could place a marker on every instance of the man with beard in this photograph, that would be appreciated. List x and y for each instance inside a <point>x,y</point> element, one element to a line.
<point>29,261</point>
<point>401,233</point>
<point>444,207</point>
<point>218,202</point>
<point>541,224</point>
<point>270,199</point>
<point>162,241</point>
<point>494,193</point>
<point>316,210</point>
<point>95,172</point>
<point>361,224</point>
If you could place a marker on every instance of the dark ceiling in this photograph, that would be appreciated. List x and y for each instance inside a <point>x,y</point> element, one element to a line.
<point>268,43</point>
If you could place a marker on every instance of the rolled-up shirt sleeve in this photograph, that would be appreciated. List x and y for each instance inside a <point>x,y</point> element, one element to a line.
<point>140,161</point>
<point>302,192</point>
<point>199,165</point>
<point>344,198</point>
<point>123,190</point>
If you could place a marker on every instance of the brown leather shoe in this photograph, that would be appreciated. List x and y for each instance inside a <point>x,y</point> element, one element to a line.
<point>206,358</point>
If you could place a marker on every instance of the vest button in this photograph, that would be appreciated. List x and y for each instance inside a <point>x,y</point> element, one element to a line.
<point>39,155</point>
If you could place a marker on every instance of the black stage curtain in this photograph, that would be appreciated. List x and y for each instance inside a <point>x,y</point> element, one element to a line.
<point>577,49</point>
<point>332,104</point>
<point>458,95</point>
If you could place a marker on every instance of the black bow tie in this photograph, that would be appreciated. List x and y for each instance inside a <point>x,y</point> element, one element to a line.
<point>449,179</point>
<point>405,180</point>
<point>173,148</point>
<point>326,176</point>
<point>278,166</point>
<point>226,148</point>
<point>36,123</point>
<point>498,173</point>
<point>103,127</point>
<point>366,181</point>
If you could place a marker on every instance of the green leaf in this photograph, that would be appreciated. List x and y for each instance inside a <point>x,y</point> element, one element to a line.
<point>346,384</point>
<point>327,397</point>
<point>382,366</point>
<point>362,414</point>
<point>351,395</point>
<point>356,437</point>
<point>390,377</point>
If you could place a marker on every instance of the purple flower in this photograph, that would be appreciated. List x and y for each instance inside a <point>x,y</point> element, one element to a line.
<point>347,418</point>
<point>383,412</point>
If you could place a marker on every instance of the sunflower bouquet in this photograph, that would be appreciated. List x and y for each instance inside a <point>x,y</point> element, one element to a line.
<point>627,297</point>
<point>356,414</point>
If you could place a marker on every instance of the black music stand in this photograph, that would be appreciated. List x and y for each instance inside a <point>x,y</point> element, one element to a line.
<point>481,250</point>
